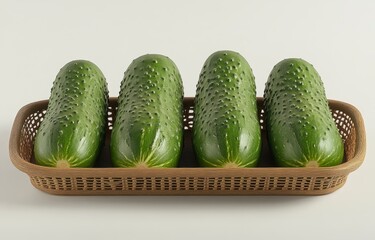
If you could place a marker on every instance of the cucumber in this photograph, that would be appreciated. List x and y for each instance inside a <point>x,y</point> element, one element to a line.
<point>300,127</point>
<point>226,128</point>
<point>73,129</point>
<point>148,128</point>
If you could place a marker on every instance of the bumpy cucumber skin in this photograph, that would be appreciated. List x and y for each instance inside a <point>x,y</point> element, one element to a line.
<point>226,130</point>
<point>300,126</point>
<point>148,128</point>
<point>75,122</point>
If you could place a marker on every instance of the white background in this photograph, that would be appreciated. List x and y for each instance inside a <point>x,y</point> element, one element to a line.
<point>38,37</point>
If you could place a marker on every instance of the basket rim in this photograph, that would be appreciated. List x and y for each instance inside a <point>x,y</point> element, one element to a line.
<point>36,170</point>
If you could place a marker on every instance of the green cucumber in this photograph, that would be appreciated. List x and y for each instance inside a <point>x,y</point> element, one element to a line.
<point>148,128</point>
<point>301,130</point>
<point>226,129</point>
<point>73,129</point>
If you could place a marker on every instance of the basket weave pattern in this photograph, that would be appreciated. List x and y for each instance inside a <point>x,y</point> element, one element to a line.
<point>187,183</point>
<point>188,178</point>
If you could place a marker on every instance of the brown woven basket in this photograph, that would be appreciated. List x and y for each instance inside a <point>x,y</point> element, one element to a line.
<point>188,178</point>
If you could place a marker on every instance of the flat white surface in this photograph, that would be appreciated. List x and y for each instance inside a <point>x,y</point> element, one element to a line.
<point>38,37</point>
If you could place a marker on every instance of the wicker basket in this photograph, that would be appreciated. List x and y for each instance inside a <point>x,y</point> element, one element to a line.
<point>188,178</point>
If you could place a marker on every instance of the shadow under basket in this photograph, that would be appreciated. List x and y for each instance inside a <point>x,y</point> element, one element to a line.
<point>188,178</point>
